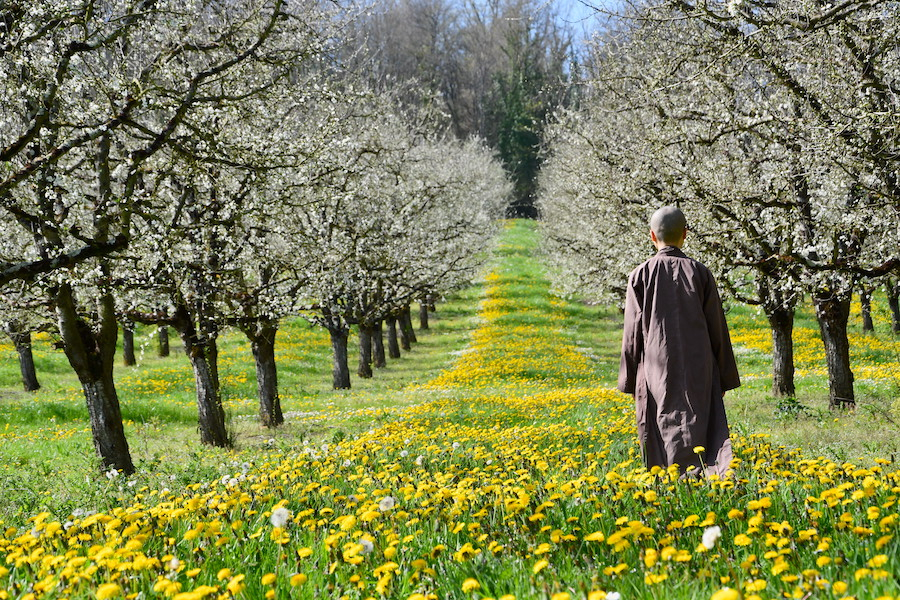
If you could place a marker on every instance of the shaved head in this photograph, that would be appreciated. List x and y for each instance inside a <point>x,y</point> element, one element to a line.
<point>669,224</point>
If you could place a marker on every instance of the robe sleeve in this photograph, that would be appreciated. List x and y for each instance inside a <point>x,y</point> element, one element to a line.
<point>632,336</point>
<point>719,338</point>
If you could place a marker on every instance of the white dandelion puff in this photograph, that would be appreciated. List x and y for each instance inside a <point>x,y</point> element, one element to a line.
<point>280,516</point>
<point>711,535</point>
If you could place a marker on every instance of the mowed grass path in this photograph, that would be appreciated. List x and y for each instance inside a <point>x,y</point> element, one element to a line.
<point>513,474</point>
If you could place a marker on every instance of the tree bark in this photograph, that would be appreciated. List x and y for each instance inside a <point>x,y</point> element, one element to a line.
<point>91,354</point>
<point>892,288</point>
<point>340,373</point>
<point>781,321</point>
<point>393,346</point>
<point>162,334</point>
<point>21,339</point>
<point>263,344</point>
<point>203,353</point>
<point>833,313</point>
<point>403,331</point>
<point>378,358</point>
<point>364,370</point>
<point>423,315</point>
<point>406,323</point>
<point>128,358</point>
<point>865,301</point>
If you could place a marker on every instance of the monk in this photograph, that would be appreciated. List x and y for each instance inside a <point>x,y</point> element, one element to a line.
<point>677,358</point>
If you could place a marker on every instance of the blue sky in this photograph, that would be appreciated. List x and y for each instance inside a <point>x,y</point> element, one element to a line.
<point>581,15</point>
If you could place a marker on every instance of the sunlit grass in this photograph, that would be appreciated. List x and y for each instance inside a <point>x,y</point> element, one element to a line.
<point>512,472</point>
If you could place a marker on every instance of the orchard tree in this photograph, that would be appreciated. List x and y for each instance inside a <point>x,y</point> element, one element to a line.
<point>380,217</point>
<point>90,94</point>
<point>774,202</point>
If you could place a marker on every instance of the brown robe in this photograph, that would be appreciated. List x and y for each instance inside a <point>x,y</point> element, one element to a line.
<point>677,361</point>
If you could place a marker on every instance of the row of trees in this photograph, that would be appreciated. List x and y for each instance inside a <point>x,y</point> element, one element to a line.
<point>201,164</point>
<point>774,125</point>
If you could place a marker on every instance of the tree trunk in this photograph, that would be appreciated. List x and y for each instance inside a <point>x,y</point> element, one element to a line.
<point>128,358</point>
<point>91,355</point>
<point>162,335</point>
<point>406,323</point>
<point>393,346</point>
<point>364,370</point>
<point>340,373</point>
<point>833,312</point>
<point>262,342</point>
<point>423,315</point>
<point>203,353</point>
<point>781,321</point>
<point>893,294</point>
<point>21,340</point>
<point>865,301</point>
<point>405,341</point>
<point>378,358</point>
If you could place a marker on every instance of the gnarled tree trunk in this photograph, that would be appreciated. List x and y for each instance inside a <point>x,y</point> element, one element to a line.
<point>162,336</point>
<point>364,368</point>
<point>393,345</point>
<point>128,358</point>
<point>833,312</point>
<point>262,341</point>
<point>21,340</point>
<point>378,359</point>
<point>865,301</point>
<point>203,352</point>
<point>892,288</point>
<point>781,322</point>
<point>340,372</point>
<point>423,315</point>
<point>403,331</point>
<point>91,354</point>
<point>406,324</point>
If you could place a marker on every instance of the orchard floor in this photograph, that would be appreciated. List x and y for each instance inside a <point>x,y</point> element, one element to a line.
<point>513,473</point>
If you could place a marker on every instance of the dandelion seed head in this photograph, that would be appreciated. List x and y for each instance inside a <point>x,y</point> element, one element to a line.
<point>711,535</point>
<point>280,516</point>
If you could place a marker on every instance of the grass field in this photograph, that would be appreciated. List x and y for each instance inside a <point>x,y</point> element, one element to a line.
<point>492,461</point>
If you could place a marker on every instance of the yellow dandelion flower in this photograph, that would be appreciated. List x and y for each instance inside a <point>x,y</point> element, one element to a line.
<point>878,561</point>
<point>236,585</point>
<point>539,566</point>
<point>726,593</point>
<point>108,590</point>
<point>470,585</point>
<point>298,579</point>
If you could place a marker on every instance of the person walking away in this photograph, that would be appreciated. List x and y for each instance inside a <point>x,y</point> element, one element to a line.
<point>677,360</point>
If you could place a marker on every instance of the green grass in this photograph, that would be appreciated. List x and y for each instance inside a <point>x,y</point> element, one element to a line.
<point>515,449</point>
<point>161,424</point>
<point>50,463</point>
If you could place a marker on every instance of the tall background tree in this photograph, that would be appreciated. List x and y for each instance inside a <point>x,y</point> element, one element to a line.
<point>497,68</point>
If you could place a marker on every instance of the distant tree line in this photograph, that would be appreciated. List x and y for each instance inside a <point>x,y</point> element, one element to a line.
<point>498,69</point>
